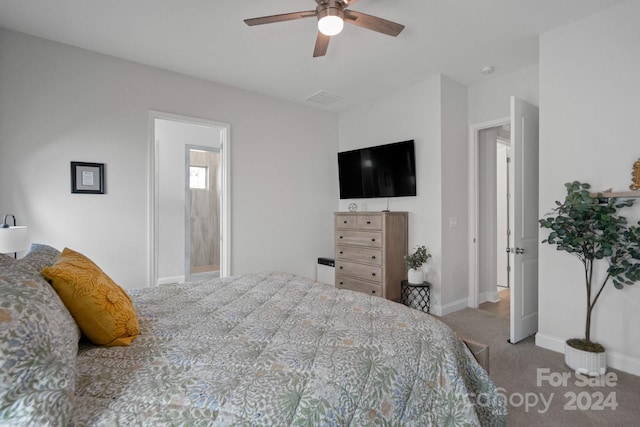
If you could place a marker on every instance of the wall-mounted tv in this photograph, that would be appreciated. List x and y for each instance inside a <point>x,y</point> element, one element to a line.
<point>381,171</point>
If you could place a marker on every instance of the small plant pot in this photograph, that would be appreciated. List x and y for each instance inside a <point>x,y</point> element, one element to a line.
<point>415,276</point>
<point>585,362</point>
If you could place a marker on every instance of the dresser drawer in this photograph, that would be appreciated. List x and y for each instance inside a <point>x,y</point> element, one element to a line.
<point>346,222</point>
<point>359,286</point>
<point>369,222</point>
<point>370,239</point>
<point>364,255</point>
<point>361,271</point>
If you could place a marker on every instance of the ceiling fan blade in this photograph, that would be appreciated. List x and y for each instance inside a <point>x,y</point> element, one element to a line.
<point>322,43</point>
<point>372,23</point>
<point>280,18</point>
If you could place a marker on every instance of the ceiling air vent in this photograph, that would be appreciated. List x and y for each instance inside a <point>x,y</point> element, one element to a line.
<point>324,98</point>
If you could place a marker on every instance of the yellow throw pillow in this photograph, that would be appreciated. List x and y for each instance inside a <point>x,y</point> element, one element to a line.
<point>102,309</point>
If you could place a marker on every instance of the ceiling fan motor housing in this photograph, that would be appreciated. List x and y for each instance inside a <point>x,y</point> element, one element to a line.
<point>331,8</point>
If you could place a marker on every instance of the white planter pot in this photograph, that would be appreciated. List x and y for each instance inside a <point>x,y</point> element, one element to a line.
<point>415,276</point>
<point>585,362</point>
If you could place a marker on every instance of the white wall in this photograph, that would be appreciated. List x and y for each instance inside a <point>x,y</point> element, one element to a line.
<point>455,210</point>
<point>59,103</point>
<point>489,99</point>
<point>589,92</point>
<point>502,219</point>
<point>487,242</point>
<point>433,113</point>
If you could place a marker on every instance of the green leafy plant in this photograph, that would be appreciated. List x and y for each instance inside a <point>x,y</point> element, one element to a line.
<point>417,258</point>
<point>594,231</point>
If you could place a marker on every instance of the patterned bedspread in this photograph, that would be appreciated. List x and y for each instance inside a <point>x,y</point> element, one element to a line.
<point>277,349</point>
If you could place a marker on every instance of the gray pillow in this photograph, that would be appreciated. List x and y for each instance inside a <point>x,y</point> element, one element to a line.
<point>40,256</point>
<point>38,349</point>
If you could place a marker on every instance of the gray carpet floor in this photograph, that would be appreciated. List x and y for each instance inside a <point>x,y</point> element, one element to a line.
<point>527,376</point>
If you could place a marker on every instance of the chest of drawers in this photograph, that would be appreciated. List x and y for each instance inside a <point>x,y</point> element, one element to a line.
<point>370,247</point>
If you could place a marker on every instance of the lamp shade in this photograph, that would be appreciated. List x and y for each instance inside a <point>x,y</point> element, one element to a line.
<point>14,239</point>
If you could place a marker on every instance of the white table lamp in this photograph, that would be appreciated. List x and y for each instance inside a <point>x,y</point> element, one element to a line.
<point>13,239</point>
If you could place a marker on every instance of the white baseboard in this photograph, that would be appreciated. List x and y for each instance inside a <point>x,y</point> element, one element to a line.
<point>550,343</point>
<point>482,297</point>
<point>169,280</point>
<point>615,360</point>
<point>488,297</point>
<point>454,306</point>
<point>493,296</point>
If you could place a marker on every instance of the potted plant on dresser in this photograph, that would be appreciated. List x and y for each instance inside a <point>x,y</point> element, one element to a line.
<point>414,261</point>
<point>595,233</point>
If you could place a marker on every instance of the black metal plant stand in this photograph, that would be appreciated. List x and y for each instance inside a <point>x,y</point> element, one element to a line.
<point>416,296</point>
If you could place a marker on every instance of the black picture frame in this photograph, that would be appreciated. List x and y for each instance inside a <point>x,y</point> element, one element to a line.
<point>87,178</point>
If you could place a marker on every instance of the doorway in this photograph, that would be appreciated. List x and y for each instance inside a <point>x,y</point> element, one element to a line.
<point>494,214</point>
<point>202,212</point>
<point>186,240</point>
<point>523,217</point>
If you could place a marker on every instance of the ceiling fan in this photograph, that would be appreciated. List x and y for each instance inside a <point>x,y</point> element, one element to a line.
<point>332,14</point>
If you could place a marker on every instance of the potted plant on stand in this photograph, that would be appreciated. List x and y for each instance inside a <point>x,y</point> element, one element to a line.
<point>414,262</point>
<point>592,232</point>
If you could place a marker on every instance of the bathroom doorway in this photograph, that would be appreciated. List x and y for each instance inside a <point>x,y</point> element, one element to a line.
<point>202,211</point>
<point>181,233</point>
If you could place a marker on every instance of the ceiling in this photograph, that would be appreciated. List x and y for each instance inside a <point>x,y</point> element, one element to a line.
<point>208,39</point>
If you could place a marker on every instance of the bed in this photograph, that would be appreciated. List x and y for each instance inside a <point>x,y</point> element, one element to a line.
<point>258,349</point>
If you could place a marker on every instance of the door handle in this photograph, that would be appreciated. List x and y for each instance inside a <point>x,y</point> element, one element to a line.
<point>517,251</point>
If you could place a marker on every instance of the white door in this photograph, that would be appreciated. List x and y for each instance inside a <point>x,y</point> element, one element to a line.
<point>524,247</point>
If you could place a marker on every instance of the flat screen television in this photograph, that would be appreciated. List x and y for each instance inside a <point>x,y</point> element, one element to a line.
<point>381,171</point>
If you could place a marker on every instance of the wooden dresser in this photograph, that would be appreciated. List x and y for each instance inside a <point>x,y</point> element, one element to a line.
<point>370,247</point>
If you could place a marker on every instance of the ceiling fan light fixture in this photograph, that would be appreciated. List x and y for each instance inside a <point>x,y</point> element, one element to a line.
<point>330,21</point>
<point>330,25</point>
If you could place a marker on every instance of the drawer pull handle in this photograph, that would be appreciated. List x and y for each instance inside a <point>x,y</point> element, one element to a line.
<point>373,240</point>
<point>342,283</point>
<point>373,292</point>
<point>341,237</point>
<point>372,256</point>
<point>373,274</point>
<point>368,222</point>
<point>341,252</point>
<point>345,222</point>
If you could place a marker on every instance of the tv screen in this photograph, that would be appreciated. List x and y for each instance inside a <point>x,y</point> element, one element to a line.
<point>381,171</point>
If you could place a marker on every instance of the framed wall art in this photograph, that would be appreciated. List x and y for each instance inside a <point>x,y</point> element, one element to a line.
<point>635,176</point>
<point>87,178</point>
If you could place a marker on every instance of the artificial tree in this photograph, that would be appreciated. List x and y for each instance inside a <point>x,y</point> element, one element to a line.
<point>591,229</point>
